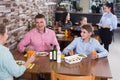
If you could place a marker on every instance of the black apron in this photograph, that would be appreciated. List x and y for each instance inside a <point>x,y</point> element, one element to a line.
<point>106,35</point>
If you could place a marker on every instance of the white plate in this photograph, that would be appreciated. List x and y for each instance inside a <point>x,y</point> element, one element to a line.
<point>73,59</point>
<point>82,55</point>
<point>99,24</point>
<point>42,53</point>
<point>20,62</point>
<point>60,35</point>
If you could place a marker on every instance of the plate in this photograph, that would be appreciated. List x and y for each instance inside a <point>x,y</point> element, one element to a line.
<point>99,24</point>
<point>73,59</point>
<point>82,55</point>
<point>20,62</point>
<point>42,53</point>
<point>60,35</point>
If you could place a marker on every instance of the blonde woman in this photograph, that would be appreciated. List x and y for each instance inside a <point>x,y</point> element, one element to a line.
<point>8,66</point>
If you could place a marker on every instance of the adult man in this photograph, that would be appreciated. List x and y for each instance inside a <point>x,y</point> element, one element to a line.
<point>39,38</point>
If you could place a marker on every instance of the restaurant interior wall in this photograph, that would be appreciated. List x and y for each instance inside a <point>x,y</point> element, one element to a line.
<point>85,5</point>
<point>117,10</point>
<point>15,14</point>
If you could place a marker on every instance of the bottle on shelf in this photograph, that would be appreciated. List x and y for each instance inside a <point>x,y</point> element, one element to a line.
<point>29,26</point>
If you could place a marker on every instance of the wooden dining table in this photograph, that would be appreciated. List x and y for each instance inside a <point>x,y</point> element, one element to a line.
<point>99,67</point>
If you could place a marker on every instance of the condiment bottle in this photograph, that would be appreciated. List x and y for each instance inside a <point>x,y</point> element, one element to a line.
<point>69,33</point>
<point>58,56</point>
<point>66,33</point>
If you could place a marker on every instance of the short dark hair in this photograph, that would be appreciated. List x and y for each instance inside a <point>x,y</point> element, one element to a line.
<point>39,16</point>
<point>87,27</point>
<point>2,29</point>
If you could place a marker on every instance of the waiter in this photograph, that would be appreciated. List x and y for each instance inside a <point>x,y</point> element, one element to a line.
<point>108,23</point>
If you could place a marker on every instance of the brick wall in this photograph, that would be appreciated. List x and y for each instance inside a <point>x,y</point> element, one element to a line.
<point>15,14</point>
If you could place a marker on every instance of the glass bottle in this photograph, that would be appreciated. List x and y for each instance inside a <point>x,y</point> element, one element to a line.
<point>58,56</point>
<point>51,52</point>
<point>66,33</point>
<point>54,53</point>
<point>69,33</point>
<point>29,26</point>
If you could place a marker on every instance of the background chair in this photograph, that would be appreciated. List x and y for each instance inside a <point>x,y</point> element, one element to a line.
<point>57,76</point>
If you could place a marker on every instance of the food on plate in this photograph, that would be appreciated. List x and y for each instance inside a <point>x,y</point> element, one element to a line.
<point>73,59</point>
<point>41,53</point>
<point>82,55</point>
<point>20,62</point>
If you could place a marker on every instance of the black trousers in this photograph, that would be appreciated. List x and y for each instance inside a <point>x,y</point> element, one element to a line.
<point>106,37</point>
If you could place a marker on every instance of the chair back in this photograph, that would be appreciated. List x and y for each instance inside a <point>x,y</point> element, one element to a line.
<point>57,76</point>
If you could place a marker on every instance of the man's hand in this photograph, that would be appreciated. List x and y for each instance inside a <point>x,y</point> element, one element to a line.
<point>94,54</point>
<point>71,52</point>
<point>29,48</point>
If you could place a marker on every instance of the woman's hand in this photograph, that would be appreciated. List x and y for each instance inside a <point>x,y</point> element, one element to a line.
<point>30,60</point>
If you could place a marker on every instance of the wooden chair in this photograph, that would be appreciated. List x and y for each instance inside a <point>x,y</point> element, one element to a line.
<point>57,76</point>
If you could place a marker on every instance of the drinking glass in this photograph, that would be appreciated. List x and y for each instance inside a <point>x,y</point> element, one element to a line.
<point>93,54</point>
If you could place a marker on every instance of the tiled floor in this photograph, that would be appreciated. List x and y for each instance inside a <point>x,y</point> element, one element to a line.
<point>114,56</point>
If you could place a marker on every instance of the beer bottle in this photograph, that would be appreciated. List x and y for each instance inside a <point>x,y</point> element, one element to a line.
<point>54,53</point>
<point>29,26</point>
